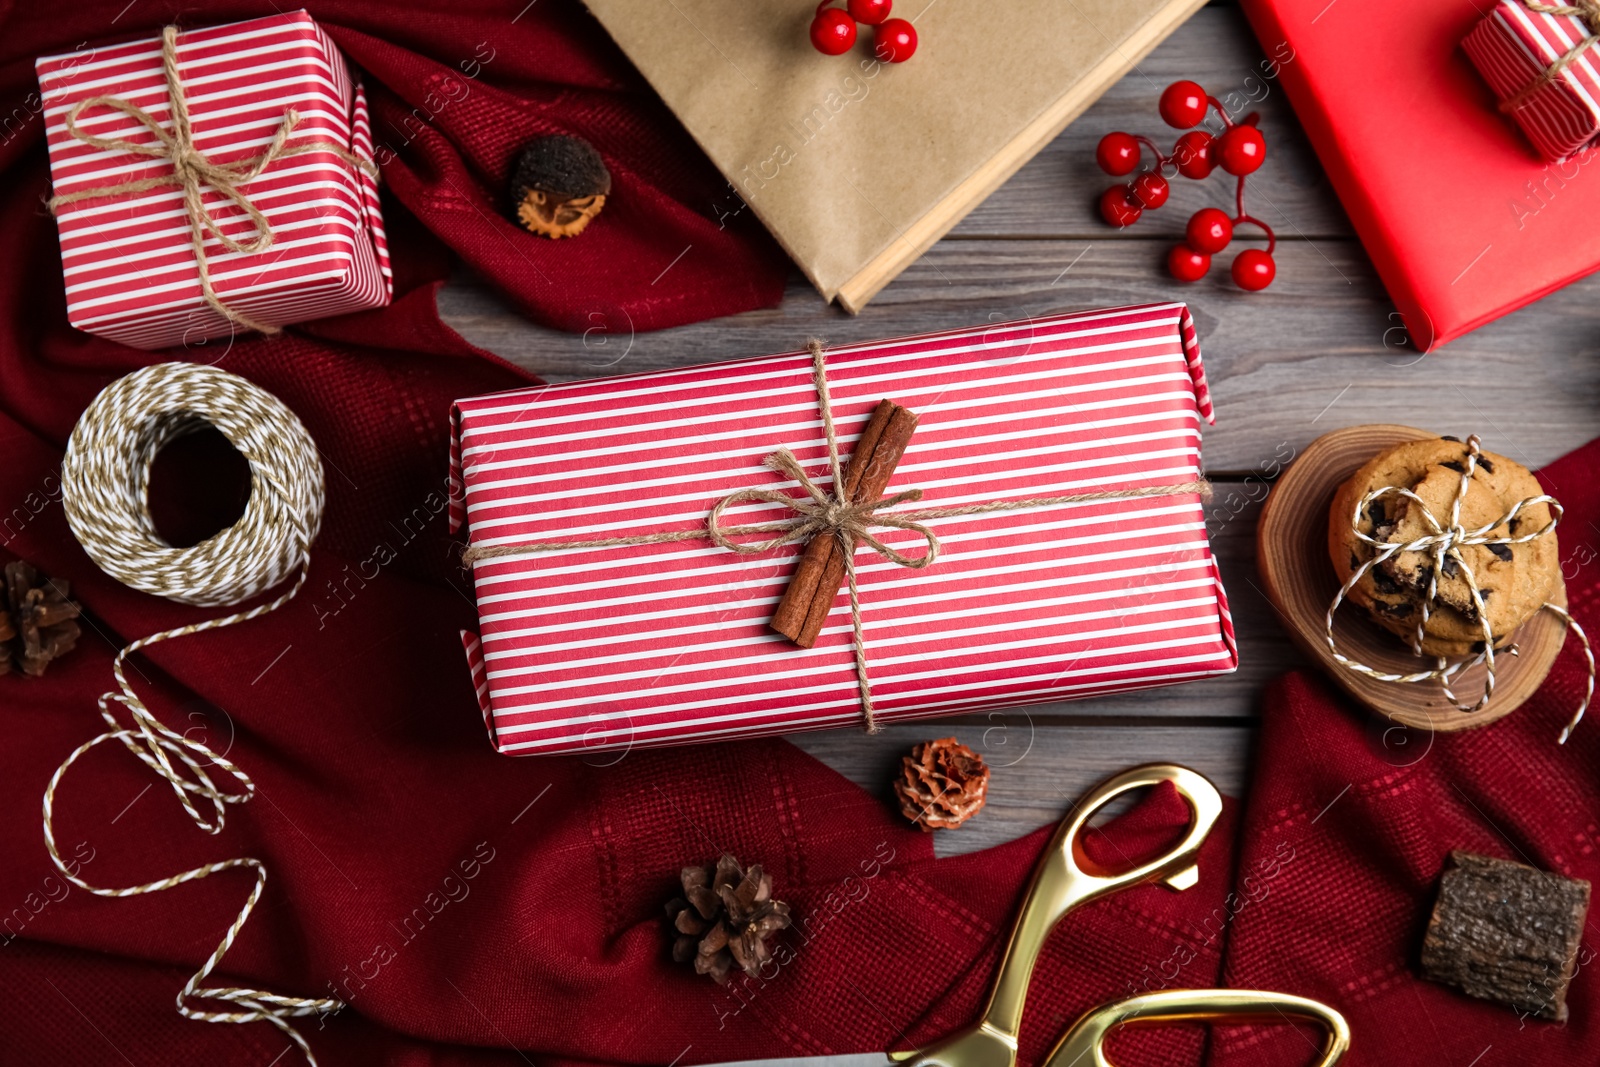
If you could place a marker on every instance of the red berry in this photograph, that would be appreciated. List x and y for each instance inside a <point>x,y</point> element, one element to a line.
<point>894,41</point>
<point>1148,190</point>
<point>1187,265</point>
<point>1241,149</point>
<point>833,32</point>
<point>1117,209</point>
<point>1183,104</point>
<point>870,12</point>
<point>1195,154</point>
<point>1209,230</point>
<point>1253,269</point>
<point>1117,153</point>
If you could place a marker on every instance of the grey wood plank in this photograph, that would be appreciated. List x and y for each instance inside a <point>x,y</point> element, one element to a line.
<point>1053,195</point>
<point>1037,771</point>
<point>1322,348</point>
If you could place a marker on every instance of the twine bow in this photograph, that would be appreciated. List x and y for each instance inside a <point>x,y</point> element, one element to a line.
<point>818,514</point>
<point>821,515</point>
<point>105,476</point>
<point>1588,11</point>
<point>1444,542</point>
<point>193,170</point>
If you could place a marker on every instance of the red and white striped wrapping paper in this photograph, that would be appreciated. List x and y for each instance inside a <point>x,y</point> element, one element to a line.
<point>128,262</point>
<point>1512,46</point>
<point>588,649</point>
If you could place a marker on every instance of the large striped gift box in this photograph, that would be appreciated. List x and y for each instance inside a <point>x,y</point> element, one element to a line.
<point>1513,46</point>
<point>667,643</point>
<point>128,261</point>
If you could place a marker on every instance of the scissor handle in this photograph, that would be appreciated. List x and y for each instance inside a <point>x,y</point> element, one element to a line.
<point>1083,1044</point>
<point>1176,866</point>
<point>1066,877</point>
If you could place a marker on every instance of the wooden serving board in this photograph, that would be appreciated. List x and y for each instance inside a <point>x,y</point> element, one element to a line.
<point>1292,553</point>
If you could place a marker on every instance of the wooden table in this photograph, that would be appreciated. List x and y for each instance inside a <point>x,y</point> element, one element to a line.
<point>1322,348</point>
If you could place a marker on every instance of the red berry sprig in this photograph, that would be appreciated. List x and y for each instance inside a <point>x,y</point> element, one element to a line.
<point>1239,149</point>
<point>833,30</point>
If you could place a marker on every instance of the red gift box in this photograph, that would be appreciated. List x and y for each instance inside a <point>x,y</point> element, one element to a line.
<point>129,264</point>
<point>1493,227</point>
<point>665,643</point>
<point>1514,47</point>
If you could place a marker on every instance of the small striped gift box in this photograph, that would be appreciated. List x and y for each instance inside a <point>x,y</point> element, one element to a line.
<point>667,643</point>
<point>1513,47</point>
<point>130,269</point>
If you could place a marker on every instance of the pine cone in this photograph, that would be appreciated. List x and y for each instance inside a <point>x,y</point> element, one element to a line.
<point>942,784</point>
<point>724,918</point>
<point>36,620</point>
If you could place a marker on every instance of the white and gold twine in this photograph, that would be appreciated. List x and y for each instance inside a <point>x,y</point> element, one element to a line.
<point>1444,541</point>
<point>105,478</point>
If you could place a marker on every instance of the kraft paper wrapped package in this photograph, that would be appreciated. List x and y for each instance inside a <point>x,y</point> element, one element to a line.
<point>858,166</point>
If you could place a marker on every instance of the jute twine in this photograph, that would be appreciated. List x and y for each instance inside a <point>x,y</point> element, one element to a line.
<point>1444,541</point>
<point>104,481</point>
<point>192,171</point>
<point>1589,12</point>
<point>819,514</point>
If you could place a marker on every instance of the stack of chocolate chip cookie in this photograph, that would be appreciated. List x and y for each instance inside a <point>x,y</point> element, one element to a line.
<point>1513,580</point>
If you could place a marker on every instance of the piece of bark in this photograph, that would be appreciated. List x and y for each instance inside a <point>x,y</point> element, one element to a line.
<point>820,573</point>
<point>1505,932</point>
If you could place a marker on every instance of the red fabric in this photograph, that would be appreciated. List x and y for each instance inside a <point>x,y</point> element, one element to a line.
<point>1368,812</point>
<point>1495,232</point>
<point>672,245</point>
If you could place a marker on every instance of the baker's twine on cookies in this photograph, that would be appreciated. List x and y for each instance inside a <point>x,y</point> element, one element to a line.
<point>105,476</point>
<point>1443,542</point>
<point>193,170</point>
<point>1586,10</point>
<point>818,514</point>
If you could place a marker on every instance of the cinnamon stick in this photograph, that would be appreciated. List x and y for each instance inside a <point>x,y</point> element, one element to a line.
<point>820,574</point>
<point>790,618</point>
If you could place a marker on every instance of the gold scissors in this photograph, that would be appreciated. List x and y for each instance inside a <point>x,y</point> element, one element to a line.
<point>1066,879</point>
<point>1083,1045</point>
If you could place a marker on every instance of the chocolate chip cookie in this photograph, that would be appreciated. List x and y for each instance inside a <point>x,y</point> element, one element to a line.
<point>1513,581</point>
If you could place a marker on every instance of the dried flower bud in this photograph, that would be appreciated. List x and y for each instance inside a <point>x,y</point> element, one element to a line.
<point>559,185</point>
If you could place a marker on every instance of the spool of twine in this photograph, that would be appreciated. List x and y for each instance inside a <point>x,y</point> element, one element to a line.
<point>105,478</point>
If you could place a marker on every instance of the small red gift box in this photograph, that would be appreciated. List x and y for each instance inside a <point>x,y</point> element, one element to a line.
<point>1522,52</point>
<point>131,267</point>
<point>599,647</point>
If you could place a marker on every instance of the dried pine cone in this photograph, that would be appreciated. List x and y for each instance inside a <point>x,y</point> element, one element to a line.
<point>560,184</point>
<point>724,918</point>
<point>36,620</point>
<point>942,784</point>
